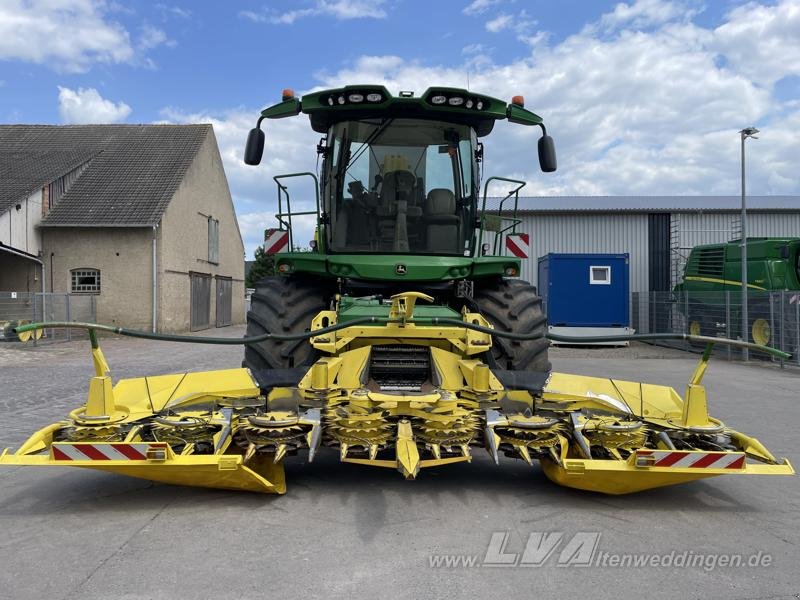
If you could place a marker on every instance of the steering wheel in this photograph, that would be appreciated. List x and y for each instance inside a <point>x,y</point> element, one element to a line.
<point>357,191</point>
<point>403,180</point>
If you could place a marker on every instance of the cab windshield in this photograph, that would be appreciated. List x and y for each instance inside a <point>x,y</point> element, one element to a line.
<point>401,186</point>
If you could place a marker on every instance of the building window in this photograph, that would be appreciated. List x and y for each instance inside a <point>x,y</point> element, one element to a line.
<point>213,241</point>
<point>85,281</point>
<point>600,275</point>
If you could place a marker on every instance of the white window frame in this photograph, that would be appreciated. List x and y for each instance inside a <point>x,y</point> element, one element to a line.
<point>593,281</point>
<point>75,287</point>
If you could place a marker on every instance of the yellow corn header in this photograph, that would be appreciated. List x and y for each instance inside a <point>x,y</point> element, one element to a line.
<point>394,392</point>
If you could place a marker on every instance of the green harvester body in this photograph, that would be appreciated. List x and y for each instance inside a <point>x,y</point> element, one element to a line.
<point>330,111</point>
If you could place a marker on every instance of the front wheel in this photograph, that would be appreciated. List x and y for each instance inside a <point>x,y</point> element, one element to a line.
<point>514,305</point>
<point>283,305</point>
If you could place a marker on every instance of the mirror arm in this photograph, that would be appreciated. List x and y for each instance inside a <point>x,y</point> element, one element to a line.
<point>544,129</point>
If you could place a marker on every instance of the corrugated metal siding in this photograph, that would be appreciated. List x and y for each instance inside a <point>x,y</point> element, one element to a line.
<point>714,228</point>
<point>706,228</point>
<point>588,233</point>
<point>622,232</point>
<point>774,224</point>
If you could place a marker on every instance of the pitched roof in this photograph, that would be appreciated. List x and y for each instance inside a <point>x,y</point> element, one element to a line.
<point>132,172</point>
<point>650,204</point>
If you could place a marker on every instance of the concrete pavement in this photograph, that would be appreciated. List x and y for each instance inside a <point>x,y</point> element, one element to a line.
<point>350,531</point>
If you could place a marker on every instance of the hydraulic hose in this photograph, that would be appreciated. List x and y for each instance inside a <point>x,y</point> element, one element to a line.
<point>633,337</point>
<point>168,337</point>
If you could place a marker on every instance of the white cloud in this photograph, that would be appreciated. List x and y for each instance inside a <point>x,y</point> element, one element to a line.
<point>632,111</point>
<point>152,37</point>
<point>474,49</point>
<point>83,106</point>
<point>638,112</point>
<point>644,13</point>
<point>354,9</point>
<point>521,24</point>
<point>762,42</point>
<point>478,7</point>
<point>500,22</point>
<point>338,9</point>
<point>71,35</point>
<point>173,11</point>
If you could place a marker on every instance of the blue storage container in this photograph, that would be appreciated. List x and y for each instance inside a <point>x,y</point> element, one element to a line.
<point>586,290</point>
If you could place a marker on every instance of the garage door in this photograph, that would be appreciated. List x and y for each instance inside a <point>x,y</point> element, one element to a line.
<point>200,308</point>
<point>224,298</point>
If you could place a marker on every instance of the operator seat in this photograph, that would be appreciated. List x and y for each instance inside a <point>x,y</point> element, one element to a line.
<point>442,223</point>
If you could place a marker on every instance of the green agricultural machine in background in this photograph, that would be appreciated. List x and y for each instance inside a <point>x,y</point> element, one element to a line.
<point>711,290</point>
<point>397,208</point>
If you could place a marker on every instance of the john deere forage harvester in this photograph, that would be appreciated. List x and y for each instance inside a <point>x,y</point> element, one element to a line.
<point>402,339</point>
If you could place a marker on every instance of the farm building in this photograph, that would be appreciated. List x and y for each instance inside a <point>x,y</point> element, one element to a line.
<point>139,217</point>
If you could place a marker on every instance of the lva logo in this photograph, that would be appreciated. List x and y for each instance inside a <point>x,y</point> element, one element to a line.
<point>576,551</point>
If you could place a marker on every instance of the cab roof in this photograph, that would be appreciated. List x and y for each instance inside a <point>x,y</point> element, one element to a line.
<point>356,102</point>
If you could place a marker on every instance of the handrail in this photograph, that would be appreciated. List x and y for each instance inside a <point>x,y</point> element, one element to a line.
<point>483,205</point>
<point>284,189</point>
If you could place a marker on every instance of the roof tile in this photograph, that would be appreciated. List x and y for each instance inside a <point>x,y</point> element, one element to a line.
<point>132,173</point>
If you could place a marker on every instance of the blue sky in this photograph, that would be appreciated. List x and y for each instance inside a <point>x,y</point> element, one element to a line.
<point>643,96</point>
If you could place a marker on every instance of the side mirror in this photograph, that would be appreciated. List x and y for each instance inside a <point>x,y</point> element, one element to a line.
<point>255,147</point>
<point>547,154</point>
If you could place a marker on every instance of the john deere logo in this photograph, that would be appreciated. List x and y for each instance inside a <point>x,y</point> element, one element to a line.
<point>400,269</point>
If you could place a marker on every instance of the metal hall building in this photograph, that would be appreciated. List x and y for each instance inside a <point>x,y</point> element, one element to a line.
<point>657,231</point>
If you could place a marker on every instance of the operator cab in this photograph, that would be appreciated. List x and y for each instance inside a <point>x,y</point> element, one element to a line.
<point>400,185</point>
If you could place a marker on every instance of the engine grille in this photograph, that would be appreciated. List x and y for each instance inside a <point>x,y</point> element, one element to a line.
<point>400,368</point>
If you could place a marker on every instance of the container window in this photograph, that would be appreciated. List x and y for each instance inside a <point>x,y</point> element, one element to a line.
<point>600,275</point>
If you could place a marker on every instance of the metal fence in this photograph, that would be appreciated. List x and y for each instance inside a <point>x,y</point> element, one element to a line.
<point>773,318</point>
<point>22,307</point>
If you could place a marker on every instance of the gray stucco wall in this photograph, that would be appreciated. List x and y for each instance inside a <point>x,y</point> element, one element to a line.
<point>124,255</point>
<point>18,274</point>
<point>124,259</point>
<point>183,240</point>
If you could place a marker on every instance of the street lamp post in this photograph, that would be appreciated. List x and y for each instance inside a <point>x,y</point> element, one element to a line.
<point>748,132</point>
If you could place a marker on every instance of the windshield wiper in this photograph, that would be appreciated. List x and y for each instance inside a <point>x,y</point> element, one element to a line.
<point>368,142</point>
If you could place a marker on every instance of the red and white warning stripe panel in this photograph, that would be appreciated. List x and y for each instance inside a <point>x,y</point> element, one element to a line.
<point>519,244</point>
<point>692,460</point>
<point>106,451</point>
<point>275,240</point>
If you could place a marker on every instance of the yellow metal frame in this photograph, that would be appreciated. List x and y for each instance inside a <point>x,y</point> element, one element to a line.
<point>465,397</point>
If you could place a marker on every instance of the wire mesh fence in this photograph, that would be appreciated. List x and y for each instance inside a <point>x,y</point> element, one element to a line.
<point>773,318</point>
<point>18,308</point>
